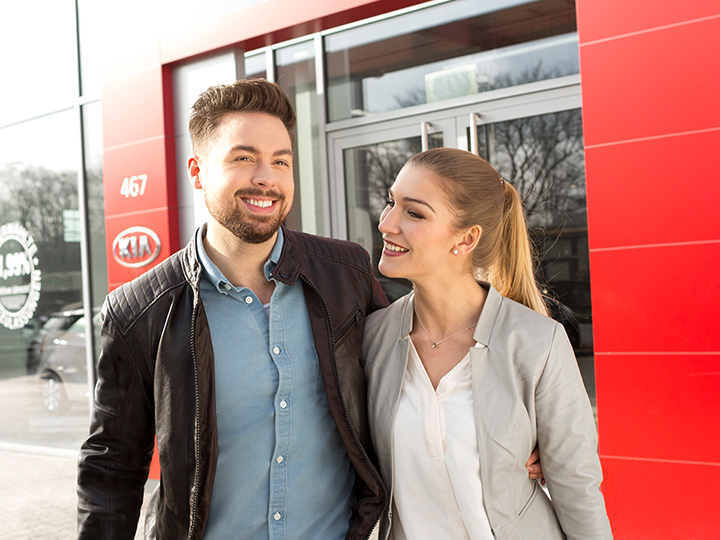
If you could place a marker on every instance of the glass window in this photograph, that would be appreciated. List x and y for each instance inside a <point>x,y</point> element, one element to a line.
<point>93,156</point>
<point>39,58</point>
<point>542,156</point>
<point>296,75</point>
<point>43,379</point>
<point>256,66</point>
<point>450,50</point>
<point>92,24</point>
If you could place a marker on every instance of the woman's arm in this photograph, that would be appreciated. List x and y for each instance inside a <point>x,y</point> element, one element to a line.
<point>567,440</point>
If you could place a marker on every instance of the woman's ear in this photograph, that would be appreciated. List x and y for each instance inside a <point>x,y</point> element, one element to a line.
<point>468,240</point>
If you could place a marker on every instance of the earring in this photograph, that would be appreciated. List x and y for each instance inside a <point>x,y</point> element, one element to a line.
<point>456,252</point>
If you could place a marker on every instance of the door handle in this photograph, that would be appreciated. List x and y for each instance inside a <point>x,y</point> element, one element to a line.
<point>424,128</point>
<point>474,148</point>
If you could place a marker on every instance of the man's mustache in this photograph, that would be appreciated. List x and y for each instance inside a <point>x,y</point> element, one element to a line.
<point>249,193</point>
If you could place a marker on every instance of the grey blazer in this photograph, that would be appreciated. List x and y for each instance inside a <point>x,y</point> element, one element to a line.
<point>527,390</point>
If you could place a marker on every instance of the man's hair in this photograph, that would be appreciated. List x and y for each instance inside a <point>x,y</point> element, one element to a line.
<point>245,95</point>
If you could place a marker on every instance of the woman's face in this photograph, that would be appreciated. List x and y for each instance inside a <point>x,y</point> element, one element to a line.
<point>417,227</point>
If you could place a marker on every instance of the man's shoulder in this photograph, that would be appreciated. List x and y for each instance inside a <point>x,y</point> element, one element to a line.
<point>329,249</point>
<point>133,298</point>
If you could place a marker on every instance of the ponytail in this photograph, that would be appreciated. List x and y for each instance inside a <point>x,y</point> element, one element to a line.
<point>513,273</point>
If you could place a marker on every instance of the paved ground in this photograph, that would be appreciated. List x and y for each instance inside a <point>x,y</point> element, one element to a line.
<point>38,500</point>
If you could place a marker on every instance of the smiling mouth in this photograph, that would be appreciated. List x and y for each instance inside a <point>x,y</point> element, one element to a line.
<point>259,204</point>
<point>394,248</point>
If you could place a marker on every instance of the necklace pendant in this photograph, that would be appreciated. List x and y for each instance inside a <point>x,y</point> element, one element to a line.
<point>434,346</point>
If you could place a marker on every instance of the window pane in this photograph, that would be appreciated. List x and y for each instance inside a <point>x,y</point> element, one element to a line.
<point>92,139</point>
<point>92,26</point>
<point>542,156</point>
<point>256,66</point>
<point>296,75</point>
<point>451,50</point>
<point>43,381</point>
<point>370,170</point>
<point>39,58</point>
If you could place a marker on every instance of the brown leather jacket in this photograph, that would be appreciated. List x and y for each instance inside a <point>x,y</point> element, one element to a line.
<point>156,376</point>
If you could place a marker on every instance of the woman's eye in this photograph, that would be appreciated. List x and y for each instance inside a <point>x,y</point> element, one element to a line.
<point>390,203</point>
<point>415,215</point>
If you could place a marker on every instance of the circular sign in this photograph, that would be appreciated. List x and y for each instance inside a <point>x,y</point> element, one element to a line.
<point>136,247</point>
<point>20,278</point>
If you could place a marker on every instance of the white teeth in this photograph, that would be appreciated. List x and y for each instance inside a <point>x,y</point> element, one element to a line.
<point>393,247</point>
<point>261,204</point>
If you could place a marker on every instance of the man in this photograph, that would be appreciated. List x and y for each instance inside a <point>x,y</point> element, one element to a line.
<point>241,352</point>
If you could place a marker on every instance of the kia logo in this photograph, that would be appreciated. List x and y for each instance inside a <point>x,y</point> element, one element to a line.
<point>136,247</point>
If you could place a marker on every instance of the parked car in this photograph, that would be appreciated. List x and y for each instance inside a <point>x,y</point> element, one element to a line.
<point>63,366</point>
<point>55,325</point>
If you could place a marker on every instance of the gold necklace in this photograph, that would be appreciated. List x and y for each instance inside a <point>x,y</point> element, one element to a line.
<point>436,344</point>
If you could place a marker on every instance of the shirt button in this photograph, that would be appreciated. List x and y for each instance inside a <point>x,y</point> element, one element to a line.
<point>280,459</point>
<point>277,516</point>
<point>276,350</point>
<point>248,299</point>
<point>283,404</point>
<point>227,286</point>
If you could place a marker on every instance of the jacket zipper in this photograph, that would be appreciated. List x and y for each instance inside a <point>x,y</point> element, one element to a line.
<point>196,482</point>
<point>342,401</point>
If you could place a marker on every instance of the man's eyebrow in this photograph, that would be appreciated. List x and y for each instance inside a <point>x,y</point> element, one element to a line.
<point>416,201</point>
<point>254,150</point>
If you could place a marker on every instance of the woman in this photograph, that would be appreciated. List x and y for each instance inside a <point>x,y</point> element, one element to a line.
<point>466,376</point>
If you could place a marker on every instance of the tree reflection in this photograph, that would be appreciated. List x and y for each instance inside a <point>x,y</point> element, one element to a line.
<point>37,197</point>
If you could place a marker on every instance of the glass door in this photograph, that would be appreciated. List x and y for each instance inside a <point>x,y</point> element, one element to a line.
<point>368,161</point>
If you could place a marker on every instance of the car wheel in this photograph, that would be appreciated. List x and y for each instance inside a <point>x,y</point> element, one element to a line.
<point>53,394</point>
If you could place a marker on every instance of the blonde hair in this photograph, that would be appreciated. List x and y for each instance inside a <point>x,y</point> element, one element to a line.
<point>477,196</point>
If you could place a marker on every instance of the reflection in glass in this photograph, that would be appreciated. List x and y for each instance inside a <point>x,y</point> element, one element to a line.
<point>296,75</point>
<point>93,159</point>
<point>256,66</point>
<point>454,49</point>
<point>38,193</point>
<point>542,156</point>
<point>370,170</point>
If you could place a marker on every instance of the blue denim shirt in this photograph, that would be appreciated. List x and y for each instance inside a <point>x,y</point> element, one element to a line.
<point>282,469</point>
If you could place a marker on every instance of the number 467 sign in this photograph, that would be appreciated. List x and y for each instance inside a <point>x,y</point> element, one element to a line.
<point>134,186</point>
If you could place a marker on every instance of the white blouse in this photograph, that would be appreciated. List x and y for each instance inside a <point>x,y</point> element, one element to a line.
<point>437,491</point>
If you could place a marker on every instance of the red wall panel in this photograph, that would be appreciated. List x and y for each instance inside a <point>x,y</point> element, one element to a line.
<point>162,222</point>
<point>655,500</point>
<point>610,18</point>
<point>652,130</point>
<point>657,299</point>
<point>680,400</point>
<point>141,164</point>
<point>133,107</point>
<point>653,191</point>
<point>650,84</point>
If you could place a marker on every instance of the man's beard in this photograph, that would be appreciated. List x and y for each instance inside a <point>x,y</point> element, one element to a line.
<point>253,229</point>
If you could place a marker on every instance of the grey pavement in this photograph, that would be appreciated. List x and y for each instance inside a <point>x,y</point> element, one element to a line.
<point>38,499</point>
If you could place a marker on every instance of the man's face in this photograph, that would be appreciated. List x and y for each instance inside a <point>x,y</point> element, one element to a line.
<point>246,173</point>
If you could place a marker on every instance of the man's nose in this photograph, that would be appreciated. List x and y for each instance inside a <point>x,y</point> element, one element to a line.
<point>264,176</point>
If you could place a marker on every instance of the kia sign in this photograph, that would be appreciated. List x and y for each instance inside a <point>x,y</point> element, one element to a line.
<point>136,247</point>
<point>20,278</point>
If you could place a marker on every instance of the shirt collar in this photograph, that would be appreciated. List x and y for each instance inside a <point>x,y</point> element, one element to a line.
<point>213,273</point>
